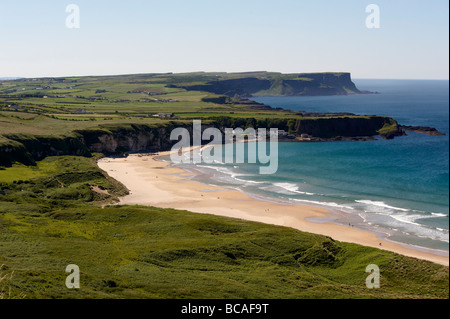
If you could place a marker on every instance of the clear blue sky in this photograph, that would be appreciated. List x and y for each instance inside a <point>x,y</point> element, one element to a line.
<point>134,36</point>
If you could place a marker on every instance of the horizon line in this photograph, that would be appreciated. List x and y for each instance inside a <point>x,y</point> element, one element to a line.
<point>228,72</point>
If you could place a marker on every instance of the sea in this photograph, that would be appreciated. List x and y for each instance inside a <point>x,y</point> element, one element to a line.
<point>398,189</point>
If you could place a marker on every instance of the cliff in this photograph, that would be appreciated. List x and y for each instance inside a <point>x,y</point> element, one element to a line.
<point>109,140</point>
<point>134,138</point>
<point>306,84</point>
<point>322,127</point>
<point>349,127</point>
<point>129,138</point>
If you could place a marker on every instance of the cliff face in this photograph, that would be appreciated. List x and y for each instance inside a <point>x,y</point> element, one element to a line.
<point>242,87</point>
<point>14,152</point>
<point>349,127</point>
<point>27,149</point>
<point>133,139</point>
<point>306,84</point>
<point>334,83</point>
<point>323,127</point>
<point>143,138</point>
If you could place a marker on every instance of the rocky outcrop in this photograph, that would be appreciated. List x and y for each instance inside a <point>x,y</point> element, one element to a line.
<point>422,129</point>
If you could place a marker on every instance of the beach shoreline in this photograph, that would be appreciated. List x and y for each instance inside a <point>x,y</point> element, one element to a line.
<point>153,182</point>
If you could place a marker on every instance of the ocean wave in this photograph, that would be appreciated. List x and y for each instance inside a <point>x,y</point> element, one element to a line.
<point>249,181</point>
<point>407,218</point>
<point>293,188</point>
<point>330,204</point>
<point>380,204</point>
<point>404,223</point>
<point>220,169</point>
<point>401,214</point>
<point>230,173</point>
<point>439,215</point>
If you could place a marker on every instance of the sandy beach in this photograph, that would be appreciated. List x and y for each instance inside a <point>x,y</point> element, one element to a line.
<point>155,183</point>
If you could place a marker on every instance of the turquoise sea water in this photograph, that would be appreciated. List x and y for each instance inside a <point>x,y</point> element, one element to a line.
<point>398,188</point>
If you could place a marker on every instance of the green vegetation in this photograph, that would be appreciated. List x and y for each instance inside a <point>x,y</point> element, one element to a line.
<point>54,208</point>
<point>389,129</point>
<point>54,215</point>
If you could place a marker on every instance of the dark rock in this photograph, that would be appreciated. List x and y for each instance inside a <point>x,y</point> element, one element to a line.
<point>421,129</point>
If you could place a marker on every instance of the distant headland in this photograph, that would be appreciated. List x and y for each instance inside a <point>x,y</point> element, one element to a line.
<point>252,84</point>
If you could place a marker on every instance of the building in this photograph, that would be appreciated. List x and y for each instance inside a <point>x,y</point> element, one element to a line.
<point>163,115</point>
<point>80,111</point>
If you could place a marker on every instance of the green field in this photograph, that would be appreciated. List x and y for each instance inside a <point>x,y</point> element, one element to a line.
<point>126,95</point>
<point>123,99</point>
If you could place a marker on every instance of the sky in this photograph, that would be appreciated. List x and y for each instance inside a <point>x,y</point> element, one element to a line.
<point>289,36</point>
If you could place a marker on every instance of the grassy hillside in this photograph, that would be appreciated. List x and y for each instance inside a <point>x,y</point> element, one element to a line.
<point>51,216</point>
